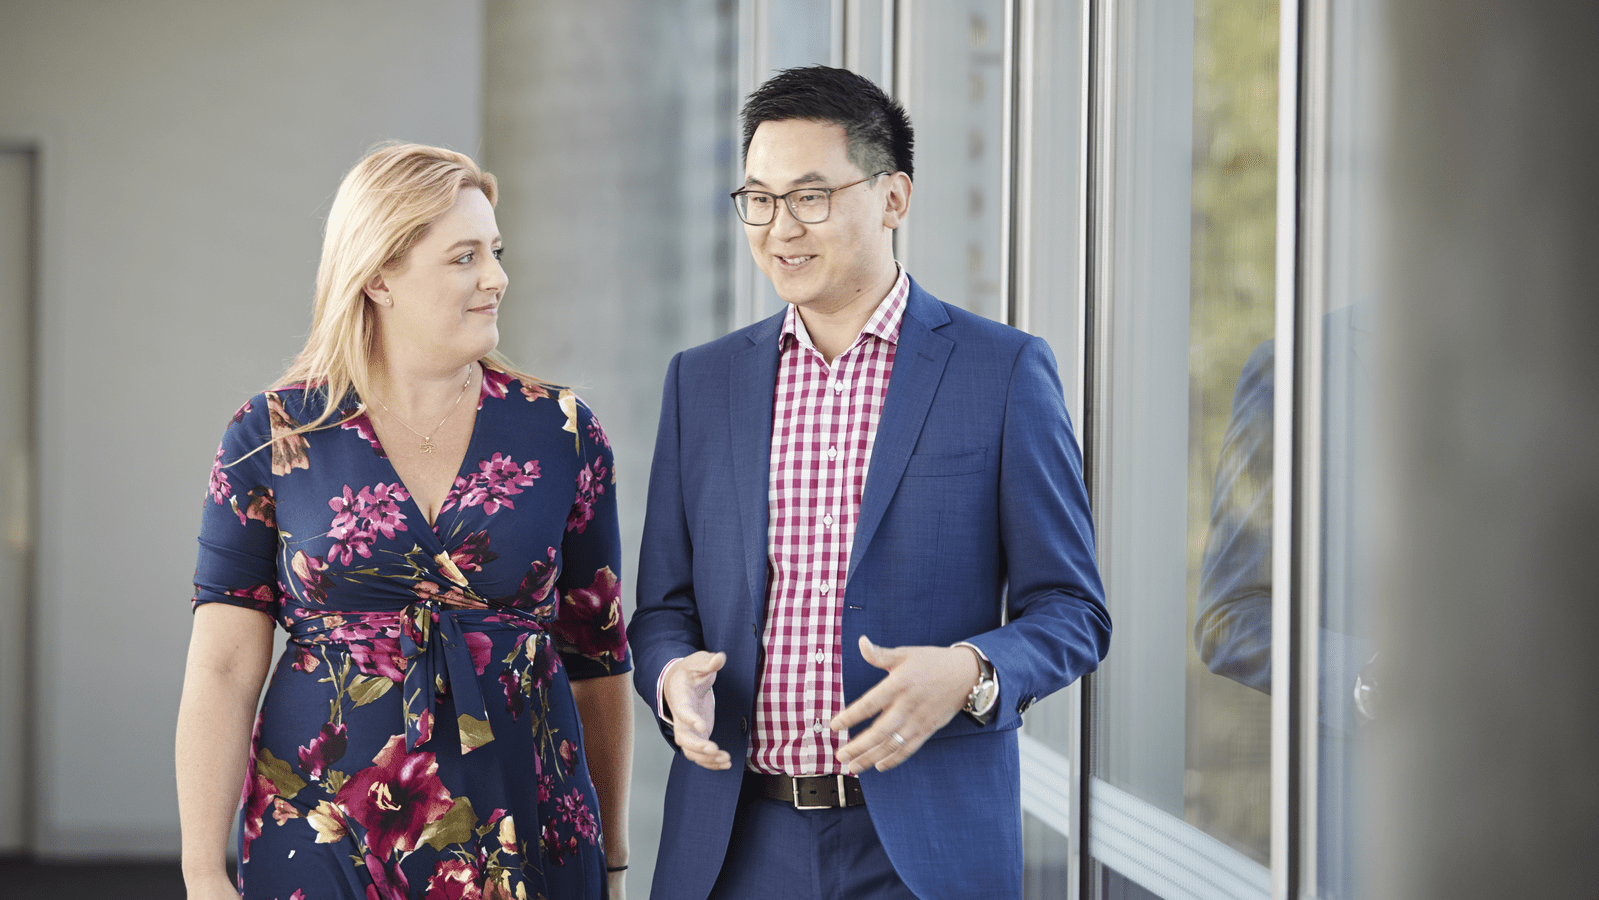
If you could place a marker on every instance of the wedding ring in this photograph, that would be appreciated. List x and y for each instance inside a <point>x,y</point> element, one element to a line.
<point>897,738</point>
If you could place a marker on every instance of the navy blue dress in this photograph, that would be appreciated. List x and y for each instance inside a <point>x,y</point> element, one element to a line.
<point>418,737</point>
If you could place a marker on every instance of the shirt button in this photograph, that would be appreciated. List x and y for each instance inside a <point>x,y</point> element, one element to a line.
<point>820,656</point>
<point>838,387</point>
<point>817,728</point>
<point>832,453</point>
<point>824,587</point>
<point>828,520</point>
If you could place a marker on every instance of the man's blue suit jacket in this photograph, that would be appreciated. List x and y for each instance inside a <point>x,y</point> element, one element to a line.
<point>973,525</point>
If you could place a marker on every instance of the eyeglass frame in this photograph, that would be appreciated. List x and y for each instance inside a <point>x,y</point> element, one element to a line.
<point>788,202</point>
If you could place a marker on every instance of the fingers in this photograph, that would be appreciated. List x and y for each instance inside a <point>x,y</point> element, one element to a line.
<point>881,747</point>
<point>693,707</point>
<point>882,657</point>
<point>702,752</point>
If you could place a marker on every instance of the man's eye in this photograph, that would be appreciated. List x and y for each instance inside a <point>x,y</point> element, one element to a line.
<point>810,198</point>
<point>757,199</point>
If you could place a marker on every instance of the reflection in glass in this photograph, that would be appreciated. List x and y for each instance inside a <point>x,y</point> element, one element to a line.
<point>954,91</point>
<point>1182,754</point>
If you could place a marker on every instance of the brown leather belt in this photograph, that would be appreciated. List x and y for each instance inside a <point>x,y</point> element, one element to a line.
<point>810,791</point>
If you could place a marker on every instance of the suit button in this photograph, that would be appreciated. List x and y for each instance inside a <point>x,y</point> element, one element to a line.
<point>743,725</point>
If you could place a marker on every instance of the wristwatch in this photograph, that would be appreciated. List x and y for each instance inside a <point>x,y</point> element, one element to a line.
<point>985,693</point>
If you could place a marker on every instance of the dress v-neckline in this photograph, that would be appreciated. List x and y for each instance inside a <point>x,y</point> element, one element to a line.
<point>471,444</point>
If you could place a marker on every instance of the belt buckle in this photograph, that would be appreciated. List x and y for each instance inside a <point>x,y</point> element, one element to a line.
<point>798,805</point>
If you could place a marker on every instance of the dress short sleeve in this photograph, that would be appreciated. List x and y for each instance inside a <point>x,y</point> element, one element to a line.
<point>238,527</point>
<point>589,632</point>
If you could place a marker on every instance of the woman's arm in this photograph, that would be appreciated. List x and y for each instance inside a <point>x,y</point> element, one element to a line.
<point>606,706</point>
<point>229,651</point>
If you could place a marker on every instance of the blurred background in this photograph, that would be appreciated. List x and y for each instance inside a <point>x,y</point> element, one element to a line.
<point>1316,274</point>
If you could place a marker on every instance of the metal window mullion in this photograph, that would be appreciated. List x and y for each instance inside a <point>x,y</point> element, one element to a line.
<point>1285,702</point>
<point>1098,167</point>
<point>1310,424</point>
<point>1008,179</point>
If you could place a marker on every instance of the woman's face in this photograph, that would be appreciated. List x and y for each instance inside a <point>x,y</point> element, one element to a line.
<point>442,308</point>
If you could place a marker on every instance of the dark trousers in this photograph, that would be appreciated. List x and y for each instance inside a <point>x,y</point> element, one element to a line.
<point>781,853</point>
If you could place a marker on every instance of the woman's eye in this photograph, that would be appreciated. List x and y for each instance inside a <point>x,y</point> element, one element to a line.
<point>467,258</point>
<point>499,252</point>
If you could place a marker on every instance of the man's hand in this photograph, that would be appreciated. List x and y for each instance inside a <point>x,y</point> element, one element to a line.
<point>688,695</point>
<point>924,689</point>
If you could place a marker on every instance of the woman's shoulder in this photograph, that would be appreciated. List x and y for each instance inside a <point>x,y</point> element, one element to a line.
<point>544,401</point>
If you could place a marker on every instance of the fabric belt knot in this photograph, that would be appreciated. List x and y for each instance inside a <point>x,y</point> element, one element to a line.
<point>437,658</point>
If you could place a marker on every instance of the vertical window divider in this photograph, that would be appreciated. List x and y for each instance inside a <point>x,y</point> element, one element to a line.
<point>1099,23</point>
<point>1010,179</point>
<point>1286,702</point>
<point>1309,400</point>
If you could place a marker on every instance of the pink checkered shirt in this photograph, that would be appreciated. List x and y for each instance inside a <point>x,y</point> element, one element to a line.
<point>824,422</point>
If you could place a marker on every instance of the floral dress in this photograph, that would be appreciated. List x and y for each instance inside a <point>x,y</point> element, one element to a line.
<point>418,737</point>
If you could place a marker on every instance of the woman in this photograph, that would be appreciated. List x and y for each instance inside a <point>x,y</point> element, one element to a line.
<point>440,543</point>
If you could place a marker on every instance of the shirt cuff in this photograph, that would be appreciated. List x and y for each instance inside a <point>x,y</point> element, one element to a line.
<point>660,690</point>
<point>984,657</point>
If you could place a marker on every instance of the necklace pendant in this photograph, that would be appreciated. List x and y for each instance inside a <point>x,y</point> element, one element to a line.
<point>427,447</point>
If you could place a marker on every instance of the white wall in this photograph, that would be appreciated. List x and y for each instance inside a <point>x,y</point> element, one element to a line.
<point>188,153</point>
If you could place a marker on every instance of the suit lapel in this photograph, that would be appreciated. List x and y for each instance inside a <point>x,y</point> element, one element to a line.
<point>753,377</point>
<point>919,361</point>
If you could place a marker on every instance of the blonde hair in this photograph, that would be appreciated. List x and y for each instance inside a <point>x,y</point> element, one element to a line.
<point>384,206</point>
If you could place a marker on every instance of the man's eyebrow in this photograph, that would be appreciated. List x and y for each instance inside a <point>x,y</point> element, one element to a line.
<point>807,178</point>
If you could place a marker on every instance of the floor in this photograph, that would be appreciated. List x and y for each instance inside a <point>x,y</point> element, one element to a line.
<point>21,877</point>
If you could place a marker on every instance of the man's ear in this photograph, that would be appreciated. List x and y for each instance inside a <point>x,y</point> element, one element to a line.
<point>897,200</point>
<point>377,290</point>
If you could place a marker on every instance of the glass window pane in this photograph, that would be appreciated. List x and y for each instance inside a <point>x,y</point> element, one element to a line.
<point>954,92</point>
<point>1182,718</point>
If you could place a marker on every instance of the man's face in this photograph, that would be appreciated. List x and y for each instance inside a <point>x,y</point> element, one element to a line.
<point>832,264</point>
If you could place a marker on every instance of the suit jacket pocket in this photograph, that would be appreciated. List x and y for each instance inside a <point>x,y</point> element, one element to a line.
<point>925,465</point>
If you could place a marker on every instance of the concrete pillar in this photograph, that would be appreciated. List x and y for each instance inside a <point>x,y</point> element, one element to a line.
<point>1487,765</point>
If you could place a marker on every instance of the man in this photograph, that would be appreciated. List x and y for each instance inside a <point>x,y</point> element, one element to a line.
<point>847,501</point>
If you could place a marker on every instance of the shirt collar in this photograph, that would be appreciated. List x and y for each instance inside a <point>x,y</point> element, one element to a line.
<point>883,324</point>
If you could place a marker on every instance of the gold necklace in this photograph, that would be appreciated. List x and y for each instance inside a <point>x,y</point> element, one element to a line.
<point>427,439</point>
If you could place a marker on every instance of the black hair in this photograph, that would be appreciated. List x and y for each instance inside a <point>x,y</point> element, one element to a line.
<point>877,132</point>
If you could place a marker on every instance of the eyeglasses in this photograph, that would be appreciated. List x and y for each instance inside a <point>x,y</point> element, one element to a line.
<point>808,205</point>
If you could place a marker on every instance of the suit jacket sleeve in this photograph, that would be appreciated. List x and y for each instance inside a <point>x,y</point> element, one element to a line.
<point>1058,628</point>
<point>666,624</point>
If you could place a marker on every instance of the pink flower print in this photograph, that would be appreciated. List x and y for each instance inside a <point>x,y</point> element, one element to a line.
<point>452,597</point>
<point>495,384</point>
<point>568,752</point>
<point>575,812</point>
<point>512,683</point>
<point>259,505</point>
<point>546,787</point>
<point>396,797</point>
<point>304,660</point>
<point>454,878</point>
<point>258,794</point>
<point>261,597</point>
<point>288,449</point>
<point>591,618</point>
<point>481,646</point>
<point>555,850</point>
<point>325,749</point>
<point>590,485</point>
<point>474,552</point>
<point>242,411</point>
<point>358,519</point>
<point>362,425</point>
<point>496,480</point>
<point>219,490</point>
<point>597,433</point>
<point>532,390</point>
<point>386,884</point>
<point>311,573</point>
